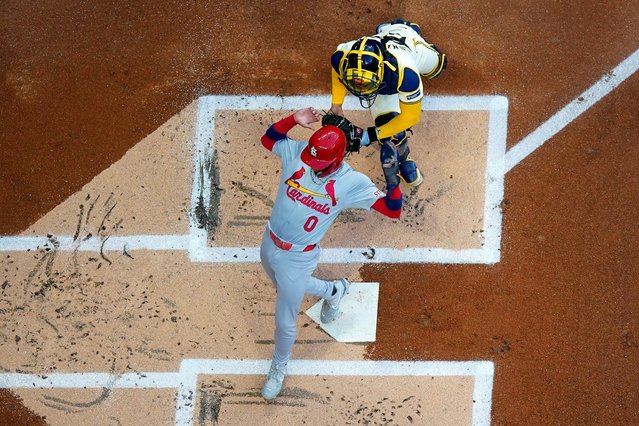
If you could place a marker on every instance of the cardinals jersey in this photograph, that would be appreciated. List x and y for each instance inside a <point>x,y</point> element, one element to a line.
<point>306,205</point>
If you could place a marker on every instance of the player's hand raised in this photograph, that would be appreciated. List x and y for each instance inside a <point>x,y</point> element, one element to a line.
<point>305,117</point>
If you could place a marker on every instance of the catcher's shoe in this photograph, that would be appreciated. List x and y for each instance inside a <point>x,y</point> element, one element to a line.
<point>410,174</point>
<point>331,307</point>
<point>274,380</point>
<point>418,181</point>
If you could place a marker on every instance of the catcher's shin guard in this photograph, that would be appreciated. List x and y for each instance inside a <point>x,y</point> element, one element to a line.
<point>408,170</point>
<point>389,158</point>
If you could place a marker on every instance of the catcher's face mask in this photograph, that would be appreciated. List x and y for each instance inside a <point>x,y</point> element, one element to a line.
<point>362,70</point>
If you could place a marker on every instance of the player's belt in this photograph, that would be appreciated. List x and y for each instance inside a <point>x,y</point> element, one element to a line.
<point>289,246</point>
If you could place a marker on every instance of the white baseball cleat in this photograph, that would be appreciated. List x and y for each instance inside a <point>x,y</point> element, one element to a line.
<point>274,380</point>
<point>331,307</point>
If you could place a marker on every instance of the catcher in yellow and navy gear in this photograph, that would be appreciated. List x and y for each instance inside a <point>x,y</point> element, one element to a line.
<point>385,72</point>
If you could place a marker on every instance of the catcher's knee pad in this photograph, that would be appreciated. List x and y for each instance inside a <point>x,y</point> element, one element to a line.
<point>389,157</point>
<point>397,139</point>
<point>438,69</point>
<point>410,173</point>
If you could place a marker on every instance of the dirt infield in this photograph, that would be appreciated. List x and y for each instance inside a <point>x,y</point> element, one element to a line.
<point>83,84</point>
<point>88,305</point>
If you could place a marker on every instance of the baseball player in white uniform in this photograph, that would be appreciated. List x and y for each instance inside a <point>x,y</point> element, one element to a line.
<point>316,185</point>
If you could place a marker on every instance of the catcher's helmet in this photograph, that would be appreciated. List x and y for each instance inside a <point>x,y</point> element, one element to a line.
<point>325,150</point>
<point>362,69</point>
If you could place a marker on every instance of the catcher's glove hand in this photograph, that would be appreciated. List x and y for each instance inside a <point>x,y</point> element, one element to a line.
<point>353,133</point>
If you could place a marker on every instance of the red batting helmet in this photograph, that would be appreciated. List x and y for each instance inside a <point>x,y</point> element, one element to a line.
<point>325,150</point>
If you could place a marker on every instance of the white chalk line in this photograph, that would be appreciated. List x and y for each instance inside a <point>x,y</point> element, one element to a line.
<point>494,192</point>
<point>196,241</point>
<point>204,145</point>
<point>185,381</point>
<point>113,243</point>
<point>570,112</point>
<point>352,255</point>
<point>198,253</point>
<point>497,165</point>
<point>497,106</point>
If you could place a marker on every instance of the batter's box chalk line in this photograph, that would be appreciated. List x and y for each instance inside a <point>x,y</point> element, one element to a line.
<point>195,242</point>
<point>185,381</point>
<point>498,163</point>
<point>497,108</point>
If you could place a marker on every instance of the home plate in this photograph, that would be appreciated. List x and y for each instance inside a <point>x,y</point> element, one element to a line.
<point>356,320</point>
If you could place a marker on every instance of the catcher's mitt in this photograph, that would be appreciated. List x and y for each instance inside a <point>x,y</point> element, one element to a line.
<point>352,132</point>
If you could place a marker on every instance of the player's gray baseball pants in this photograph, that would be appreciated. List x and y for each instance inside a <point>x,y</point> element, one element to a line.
<point>291,273</point>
